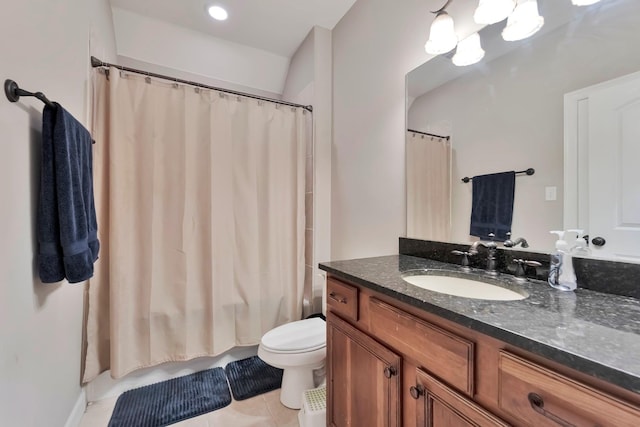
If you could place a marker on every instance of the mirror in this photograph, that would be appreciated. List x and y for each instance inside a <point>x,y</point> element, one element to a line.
<point>507,111</point>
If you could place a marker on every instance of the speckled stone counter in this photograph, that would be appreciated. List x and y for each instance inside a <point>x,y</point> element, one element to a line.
<point>592,332</point>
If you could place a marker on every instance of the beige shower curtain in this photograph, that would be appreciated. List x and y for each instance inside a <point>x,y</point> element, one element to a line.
<point>200,204</point>
<point>428,187</point>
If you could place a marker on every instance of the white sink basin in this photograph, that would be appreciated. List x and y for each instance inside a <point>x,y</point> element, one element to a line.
<point>461,287</point>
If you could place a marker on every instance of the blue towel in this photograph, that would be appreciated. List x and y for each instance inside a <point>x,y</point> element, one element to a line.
<point>66,227</point>
<point>492,205</point>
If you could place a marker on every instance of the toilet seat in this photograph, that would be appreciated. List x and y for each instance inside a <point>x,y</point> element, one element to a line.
<point>296,337</point>
<point>298,348</point>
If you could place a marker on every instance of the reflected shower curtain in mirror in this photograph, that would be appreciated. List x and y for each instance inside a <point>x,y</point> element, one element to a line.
<point>428,187</point>
<point>200,200</point>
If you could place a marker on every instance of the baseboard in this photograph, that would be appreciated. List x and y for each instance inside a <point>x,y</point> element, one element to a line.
<point>104,387</point>
<point>78,410</point>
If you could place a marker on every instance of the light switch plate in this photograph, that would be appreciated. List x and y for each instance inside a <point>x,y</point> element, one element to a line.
<point>550,193</point>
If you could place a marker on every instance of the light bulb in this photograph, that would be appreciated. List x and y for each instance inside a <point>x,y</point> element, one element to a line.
<point>469,51</point>
<point>218,13</point>
<point>442,36</point>
<point>584,2</point>
<point>524,22</point>
<point>491,11</point>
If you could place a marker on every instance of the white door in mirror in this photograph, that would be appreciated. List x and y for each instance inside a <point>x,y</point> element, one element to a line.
<point>614,181</point>
<point>608,132</point>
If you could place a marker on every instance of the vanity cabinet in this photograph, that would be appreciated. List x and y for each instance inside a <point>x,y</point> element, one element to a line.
<point>362,379</point>
<point>392,364</point>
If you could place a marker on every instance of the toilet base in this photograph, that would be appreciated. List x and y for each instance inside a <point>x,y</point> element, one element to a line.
<point>295,381</point>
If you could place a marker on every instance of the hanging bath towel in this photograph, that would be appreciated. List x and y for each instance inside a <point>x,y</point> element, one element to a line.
<point>66,227</point>
<point>492,205</point>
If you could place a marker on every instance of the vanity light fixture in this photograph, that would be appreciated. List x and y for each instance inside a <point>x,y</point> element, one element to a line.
<point>524,22</point>
<point>469,51</point>
<point>218,13</point>
<point>584,2</point>
<point>442,35</point>
<point>491,11</point>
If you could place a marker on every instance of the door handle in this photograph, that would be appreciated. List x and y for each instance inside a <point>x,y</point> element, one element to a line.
<point>598,241</point>
<point>537,404</point>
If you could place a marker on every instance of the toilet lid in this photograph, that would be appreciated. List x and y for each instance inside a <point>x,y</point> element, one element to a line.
<point>305,335</point>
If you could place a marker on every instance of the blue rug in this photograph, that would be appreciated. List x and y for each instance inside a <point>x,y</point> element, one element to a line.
<point>251,377</point>
<point>171,401</point>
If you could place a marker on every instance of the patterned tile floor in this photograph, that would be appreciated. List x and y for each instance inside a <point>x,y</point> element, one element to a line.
<point>260,411</point>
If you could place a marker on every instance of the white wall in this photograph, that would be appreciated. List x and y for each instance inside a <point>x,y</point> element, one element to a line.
<point>156,42</point>
<point>309,82</point>
<point>299,89</point>
<point>44,47</point>
<point>374,46</point>
<point>508,115</point>
<point>322,127</point>
<point>199,78</point>
<point>300,73</point>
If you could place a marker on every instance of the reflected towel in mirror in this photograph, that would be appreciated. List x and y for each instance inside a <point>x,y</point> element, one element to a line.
<point>492,205</point>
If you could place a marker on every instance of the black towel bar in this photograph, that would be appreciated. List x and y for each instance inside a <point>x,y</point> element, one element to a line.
<point>529,171</point>
<point>13,92</point>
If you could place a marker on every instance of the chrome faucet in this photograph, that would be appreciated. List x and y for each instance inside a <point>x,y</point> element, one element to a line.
<point>491,256</point>
<point>521,266</point>
<point>513,243</point>
<point>465,259</point>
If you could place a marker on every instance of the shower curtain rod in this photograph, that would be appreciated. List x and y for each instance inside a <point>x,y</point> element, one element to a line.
<point>429,134</point>
<point>95,62</point>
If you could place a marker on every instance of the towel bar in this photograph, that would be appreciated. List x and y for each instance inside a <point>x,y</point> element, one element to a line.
<point>529,171</point>
<point>13,92</point>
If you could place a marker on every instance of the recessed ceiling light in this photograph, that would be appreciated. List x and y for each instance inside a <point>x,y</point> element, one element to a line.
<point>218,13</point>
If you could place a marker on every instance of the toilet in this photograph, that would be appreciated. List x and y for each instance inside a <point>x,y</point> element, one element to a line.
<point>299,348</point>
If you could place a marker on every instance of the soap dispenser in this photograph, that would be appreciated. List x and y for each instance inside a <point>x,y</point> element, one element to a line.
<point>561,274</point>
<point>580,246</point>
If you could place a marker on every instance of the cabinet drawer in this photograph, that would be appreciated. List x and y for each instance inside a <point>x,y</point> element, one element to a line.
<point>538,396</point>
<point>443,354</point>
<point>438,405</point>
<point>342,299</point>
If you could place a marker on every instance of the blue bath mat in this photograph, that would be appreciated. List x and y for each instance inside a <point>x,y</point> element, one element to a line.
<point>251,377</point>
<point>171,401</point>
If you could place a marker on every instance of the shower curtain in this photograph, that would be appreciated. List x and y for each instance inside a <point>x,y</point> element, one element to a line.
<point>428,187</point>
<point>200,202</point>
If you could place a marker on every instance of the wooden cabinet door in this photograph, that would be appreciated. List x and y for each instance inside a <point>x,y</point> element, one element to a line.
<point>363,379</point>
<point>441,406</point>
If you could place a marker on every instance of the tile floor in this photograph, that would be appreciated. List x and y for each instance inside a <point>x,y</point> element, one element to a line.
<point>260,411</point>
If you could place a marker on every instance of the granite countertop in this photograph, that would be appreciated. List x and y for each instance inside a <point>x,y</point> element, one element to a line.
<point>592,332</point>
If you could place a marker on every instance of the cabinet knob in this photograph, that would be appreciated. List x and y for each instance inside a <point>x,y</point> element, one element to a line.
<point>598,241</point>
<point>389,371</point>
<point>416,391</point>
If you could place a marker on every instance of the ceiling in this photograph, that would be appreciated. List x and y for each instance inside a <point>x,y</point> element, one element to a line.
<point>277,26</point>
